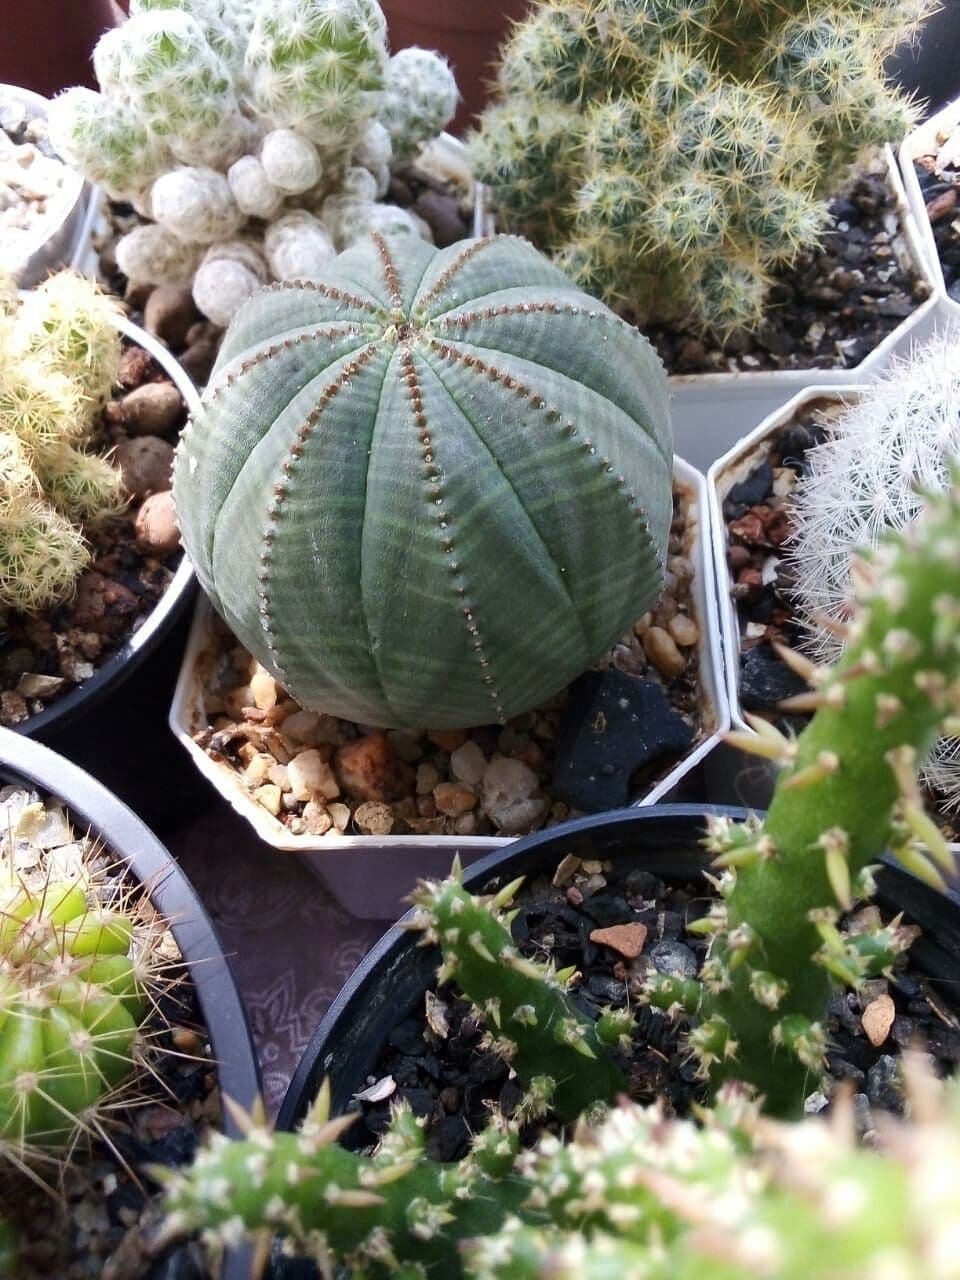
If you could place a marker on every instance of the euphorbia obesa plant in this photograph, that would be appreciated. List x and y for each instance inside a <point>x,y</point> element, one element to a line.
<point>635,1193</point>
<point>431,488</point>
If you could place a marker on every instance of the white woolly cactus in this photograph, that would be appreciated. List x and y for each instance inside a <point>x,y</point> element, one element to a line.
<point>229,274</point>
<point>420,99</point>
<point>226,118</point>
<point>868,477</point>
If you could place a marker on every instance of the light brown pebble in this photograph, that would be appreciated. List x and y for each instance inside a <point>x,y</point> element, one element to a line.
<point>258,767</point>
<point>340,814</point>
<point>145,463</point>
<point>264,689</point>
<point>155,526</point>
<point>366,767</point>
<point>374,818</point>
<point>684,630</point>
<point>466,824</point>
<point>626,939</point>
<point>662,651</point>
<point>154,409</point>
<point>467,763</point>
<point>427,778</point>
<point>185,1039</point>
<point>169,314</point>
<point>270,797</point>
<point>316,819</point>
<point>681,568</point>
<point>453,798</point>
<point>643,624</point>
<point>300,725</point>
<point>665,610</point>
<point>447,739</point>
<point>311,776</point>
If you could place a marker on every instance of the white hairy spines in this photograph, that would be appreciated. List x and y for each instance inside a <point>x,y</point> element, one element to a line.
<point>420,98</point>
<point>900,436</point>
<point>359,184</point>
<point>252,190</point>
<point>153,255</point>
<point>316,66</point>
<point>374,149</point>
<point>290,161</point>
<point>390,220</point>
<point>298,247</point>
<point>108,144</point>
<point>196,205</point>
<point>231,272</point>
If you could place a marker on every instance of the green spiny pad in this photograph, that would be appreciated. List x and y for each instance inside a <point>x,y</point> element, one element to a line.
<point>407,478</point>
<point>524,1004</point>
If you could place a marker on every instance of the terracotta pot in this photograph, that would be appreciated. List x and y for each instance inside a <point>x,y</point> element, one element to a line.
<point>467,34</point>
<point>47,44</point>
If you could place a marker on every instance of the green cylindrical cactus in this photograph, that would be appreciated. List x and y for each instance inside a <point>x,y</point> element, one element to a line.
<point>432,488</point>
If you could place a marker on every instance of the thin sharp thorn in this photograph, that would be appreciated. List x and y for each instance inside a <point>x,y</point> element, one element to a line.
<point>244,1120</point>
<point>797,663</point>
<point>507,893</point>
<point>330,1132</point>
<point>319,1113</point>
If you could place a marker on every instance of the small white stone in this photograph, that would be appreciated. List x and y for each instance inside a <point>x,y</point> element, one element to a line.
<point>311,776</point>
<point>510,796</point>
<point>467,763</point>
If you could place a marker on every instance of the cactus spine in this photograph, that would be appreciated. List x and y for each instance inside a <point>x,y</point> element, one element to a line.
<point>699,140</point>
<point>455,478</point>
<point>59,352</point>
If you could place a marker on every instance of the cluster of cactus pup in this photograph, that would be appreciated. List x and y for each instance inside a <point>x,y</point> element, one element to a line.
<point>59,354</point>
<point>671,154</point>
<point>257,138</point>
<point>632,1191</point>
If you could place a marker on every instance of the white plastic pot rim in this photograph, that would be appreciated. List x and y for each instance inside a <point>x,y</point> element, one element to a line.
<point>187,717</point>
<point>922,141</point>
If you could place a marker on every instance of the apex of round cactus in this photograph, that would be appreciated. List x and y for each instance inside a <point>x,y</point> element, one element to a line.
<point>432,486</point>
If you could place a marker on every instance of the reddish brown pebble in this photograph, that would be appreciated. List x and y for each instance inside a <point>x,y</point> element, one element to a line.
<point>878,1018</point>
<point>738,557</point>
<point>447,739</point>
<point>155,526</point>
<point>366,768</point>
<point>942,204</point>
<point>626,939</point>
<point>574,896</point>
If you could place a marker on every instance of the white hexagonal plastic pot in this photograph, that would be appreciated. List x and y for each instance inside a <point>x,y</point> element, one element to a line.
<point>369,875</point>
<point>56,241</point>
<point>922,141</point>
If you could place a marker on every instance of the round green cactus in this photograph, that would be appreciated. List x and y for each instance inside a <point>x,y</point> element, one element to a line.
<point>431,488</point>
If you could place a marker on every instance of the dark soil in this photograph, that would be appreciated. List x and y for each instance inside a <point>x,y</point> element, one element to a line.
<point>831,308</point>
<point>941,194</point>
<point>115,593</point>
<point>453,1082</point>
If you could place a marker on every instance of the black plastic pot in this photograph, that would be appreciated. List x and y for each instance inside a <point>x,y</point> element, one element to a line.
<point>664,839</point>
<point>89,695</point>
<point>93,807</point>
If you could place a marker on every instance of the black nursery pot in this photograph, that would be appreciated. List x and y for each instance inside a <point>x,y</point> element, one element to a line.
<point>93,807</point>
<point>664,839</point>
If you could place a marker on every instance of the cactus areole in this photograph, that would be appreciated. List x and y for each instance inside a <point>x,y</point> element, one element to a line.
<point>431,489</point>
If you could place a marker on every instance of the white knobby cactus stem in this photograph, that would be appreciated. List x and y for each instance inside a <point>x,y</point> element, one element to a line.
<point>195,204</point>
<point>298,247</point>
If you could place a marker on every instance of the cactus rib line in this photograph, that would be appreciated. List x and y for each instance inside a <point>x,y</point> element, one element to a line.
<point>332,293</point>
<point>371,649</point>
<point>446,351</point>
<point>533,524</point>
<point>447,275</point>
<point>390,277</point>
<point>293,454</point>
<point>235,371</point>
<point>429,449</point>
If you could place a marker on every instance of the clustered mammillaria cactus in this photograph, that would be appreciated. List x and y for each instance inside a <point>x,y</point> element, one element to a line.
<point>885,449</point>
<point>671,152</point>
<point>406,475</point>
<point>635,1193</point>
<point>59,353</point>
<point>215,118</point>
<point>79,965</point>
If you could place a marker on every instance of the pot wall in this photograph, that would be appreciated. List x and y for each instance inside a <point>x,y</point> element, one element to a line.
<point>47,44</point>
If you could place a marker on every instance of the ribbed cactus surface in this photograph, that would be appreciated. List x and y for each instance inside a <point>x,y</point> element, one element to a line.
<point>432,488</point>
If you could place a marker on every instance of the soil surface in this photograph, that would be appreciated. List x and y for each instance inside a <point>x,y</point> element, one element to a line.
<point>45,655</point>
<point>590,748</point>
<point>452,1081</point>
<point>832,307</point>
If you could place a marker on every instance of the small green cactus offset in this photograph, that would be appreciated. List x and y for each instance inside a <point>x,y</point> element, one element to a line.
<point>633,1192</point>
<point>59,353</point>
<point>407,475</point>
<point>670,153</point>
<point>78,968</point>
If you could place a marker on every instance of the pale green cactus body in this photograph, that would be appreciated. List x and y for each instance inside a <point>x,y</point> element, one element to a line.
<point>315,66</point>
<point>766,104</point>
<point>106,142</point>
<point>419,99</point>
<point>485,449</point>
